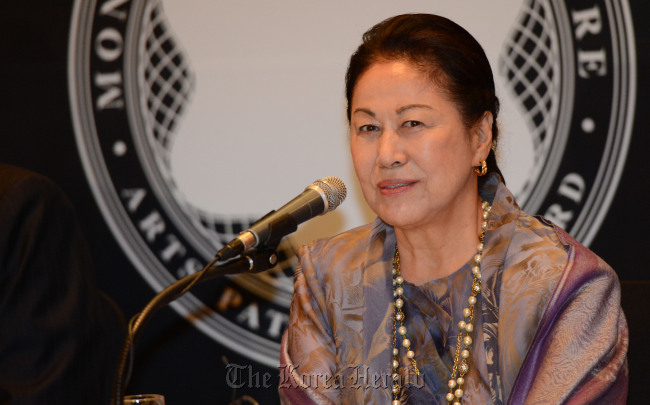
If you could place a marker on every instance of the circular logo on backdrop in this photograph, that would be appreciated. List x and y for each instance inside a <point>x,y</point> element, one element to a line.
<point>570,67</point>
<point>567,67</point>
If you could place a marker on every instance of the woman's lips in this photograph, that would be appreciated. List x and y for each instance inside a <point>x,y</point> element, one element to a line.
<point>395,186</point>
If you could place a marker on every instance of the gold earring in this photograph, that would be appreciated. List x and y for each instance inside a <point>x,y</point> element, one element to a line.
<point>482,170</point>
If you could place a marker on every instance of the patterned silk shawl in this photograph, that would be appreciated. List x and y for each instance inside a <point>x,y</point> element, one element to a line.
<point>550,329</point>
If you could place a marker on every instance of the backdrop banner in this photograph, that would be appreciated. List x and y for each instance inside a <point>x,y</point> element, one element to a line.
<point>172,125</point>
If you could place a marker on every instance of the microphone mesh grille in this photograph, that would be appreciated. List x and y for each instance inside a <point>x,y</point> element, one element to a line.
<point>334,190</point>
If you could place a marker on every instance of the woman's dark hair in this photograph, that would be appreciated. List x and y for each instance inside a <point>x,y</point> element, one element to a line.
<point>446,52</point>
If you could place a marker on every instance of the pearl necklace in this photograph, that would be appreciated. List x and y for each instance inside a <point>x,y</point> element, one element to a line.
<point>463,345</point>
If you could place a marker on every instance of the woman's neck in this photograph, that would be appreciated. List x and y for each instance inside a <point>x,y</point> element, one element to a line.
<point>442,246</point>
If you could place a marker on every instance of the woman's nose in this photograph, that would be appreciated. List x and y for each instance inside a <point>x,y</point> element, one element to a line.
<point>390,152</point>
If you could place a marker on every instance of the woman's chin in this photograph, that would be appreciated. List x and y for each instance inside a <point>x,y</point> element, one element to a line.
<point>403,220</point>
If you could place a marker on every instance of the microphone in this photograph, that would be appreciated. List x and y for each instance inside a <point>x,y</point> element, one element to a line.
<point>321,197</point>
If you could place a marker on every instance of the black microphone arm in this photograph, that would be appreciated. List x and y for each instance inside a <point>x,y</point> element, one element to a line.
<point>255,262</point>
<point>321,197</point>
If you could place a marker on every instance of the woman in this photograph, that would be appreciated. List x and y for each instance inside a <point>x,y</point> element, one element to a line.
<point>453,295</point>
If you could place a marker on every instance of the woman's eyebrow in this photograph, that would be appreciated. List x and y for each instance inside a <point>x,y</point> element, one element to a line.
<point>412,106</point>
<point>365,110</point>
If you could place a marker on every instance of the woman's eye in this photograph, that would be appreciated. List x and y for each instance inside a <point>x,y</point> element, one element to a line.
<point>368,128</point>
<point>411,124</point>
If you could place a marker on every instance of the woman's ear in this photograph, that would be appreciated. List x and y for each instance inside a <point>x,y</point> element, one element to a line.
<point>483,138</point>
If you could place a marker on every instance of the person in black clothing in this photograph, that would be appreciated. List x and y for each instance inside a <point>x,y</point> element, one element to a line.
<point>59,336</point>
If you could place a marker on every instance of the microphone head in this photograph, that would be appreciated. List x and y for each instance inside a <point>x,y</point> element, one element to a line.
<point>334,190</point>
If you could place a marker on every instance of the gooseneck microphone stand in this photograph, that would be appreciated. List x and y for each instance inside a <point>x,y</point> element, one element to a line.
<point>256,260</point>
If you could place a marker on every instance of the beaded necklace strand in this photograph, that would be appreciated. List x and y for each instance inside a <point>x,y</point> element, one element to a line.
<point>464,342</point>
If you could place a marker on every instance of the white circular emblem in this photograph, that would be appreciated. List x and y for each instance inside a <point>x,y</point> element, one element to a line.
<point>565,70</point>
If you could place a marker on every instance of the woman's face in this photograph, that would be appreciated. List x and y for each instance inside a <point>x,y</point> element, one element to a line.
<point>412,153</point>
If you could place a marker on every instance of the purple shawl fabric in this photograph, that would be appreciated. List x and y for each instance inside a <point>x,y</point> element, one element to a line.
<point>575,340</point>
